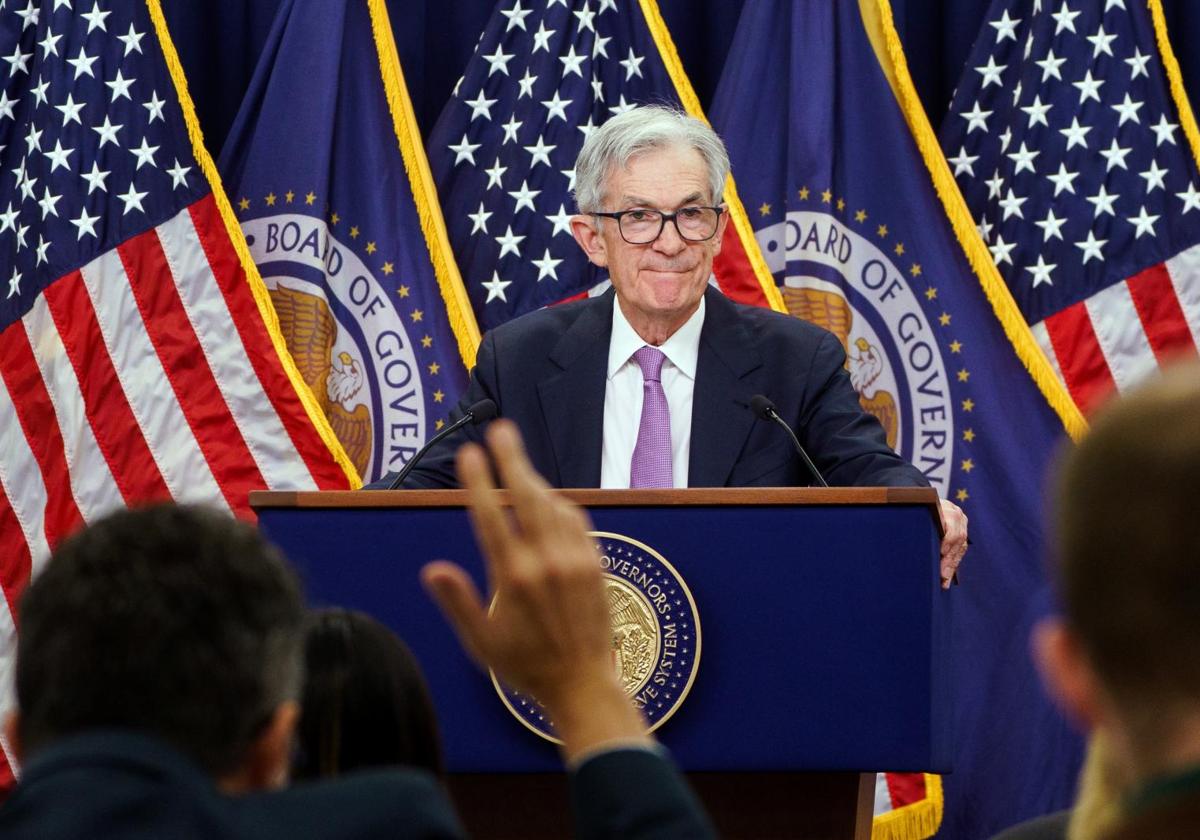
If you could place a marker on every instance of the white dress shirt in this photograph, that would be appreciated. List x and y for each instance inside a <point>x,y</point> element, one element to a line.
<point>623,396</point>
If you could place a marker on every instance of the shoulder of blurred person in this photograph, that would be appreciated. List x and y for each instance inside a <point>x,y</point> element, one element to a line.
<point>393,803</point>
<point>1097,803</point>
<point>1171,812</point>
<point>119,783</point>
<point>1046,827</point>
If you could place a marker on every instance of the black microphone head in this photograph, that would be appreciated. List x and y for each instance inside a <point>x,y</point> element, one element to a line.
<point>762,406</point>
<point>482,411</point>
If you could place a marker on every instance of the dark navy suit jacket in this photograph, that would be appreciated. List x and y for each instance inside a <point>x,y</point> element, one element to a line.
<point>116,784</point>
<point>547,372</point>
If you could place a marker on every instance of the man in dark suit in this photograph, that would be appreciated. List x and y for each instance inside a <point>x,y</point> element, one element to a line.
<point>159,661</point>
<point>649,385</point>
<point>1124,658</point>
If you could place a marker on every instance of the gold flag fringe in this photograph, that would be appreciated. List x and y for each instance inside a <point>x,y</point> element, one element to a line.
<point>429,209</point>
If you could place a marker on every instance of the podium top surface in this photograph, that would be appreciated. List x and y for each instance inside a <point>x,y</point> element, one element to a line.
<point>697,496</point>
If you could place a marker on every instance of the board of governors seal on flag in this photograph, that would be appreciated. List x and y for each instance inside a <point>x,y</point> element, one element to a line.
<point>839,278</point>
<point>655,634</point>
<point>341,325</point>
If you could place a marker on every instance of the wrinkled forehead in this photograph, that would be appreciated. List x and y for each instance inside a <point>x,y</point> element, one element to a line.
<point>674,168</point>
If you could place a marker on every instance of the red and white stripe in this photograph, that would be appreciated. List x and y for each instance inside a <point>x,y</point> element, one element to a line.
<point>148,374</point>
<point>1118,337</point>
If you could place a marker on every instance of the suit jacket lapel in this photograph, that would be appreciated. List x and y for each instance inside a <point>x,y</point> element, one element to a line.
<point>573,400</point>
<point>728,372</point>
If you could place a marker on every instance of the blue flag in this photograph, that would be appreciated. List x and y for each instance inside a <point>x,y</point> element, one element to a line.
<point>861,224</point>
<point>325,169</point>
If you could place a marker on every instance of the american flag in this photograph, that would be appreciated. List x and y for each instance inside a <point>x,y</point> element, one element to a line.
<point>1075,161</point>
<point>503,151</point>
<point>135,361</point>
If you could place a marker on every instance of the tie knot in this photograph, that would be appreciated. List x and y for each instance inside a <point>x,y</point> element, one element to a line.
<point>650,360</point>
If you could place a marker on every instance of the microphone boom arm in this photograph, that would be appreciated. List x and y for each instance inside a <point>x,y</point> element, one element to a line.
<point>765,409</point>
<point>480,412</point>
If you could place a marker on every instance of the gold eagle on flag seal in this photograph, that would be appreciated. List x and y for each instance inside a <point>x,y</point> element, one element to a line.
<point>865,362</point>
<point>310,330</point>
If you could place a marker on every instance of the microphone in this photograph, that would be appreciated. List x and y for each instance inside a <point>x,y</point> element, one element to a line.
<point>765,409</point>
<point>480,412</point>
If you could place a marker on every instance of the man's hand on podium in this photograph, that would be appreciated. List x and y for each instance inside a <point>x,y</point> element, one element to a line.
<point>954,543</point>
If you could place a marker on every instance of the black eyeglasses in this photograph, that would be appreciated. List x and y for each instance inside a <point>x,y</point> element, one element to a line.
<point>641,226</point>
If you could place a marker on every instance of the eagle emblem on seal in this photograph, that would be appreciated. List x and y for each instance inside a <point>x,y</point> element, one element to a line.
<point>338,382</point>
<point>864,361</point>
<point>635,636</point>
<point>655,634</point>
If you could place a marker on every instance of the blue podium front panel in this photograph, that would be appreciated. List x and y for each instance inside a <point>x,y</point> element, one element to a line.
<point>824,632</point>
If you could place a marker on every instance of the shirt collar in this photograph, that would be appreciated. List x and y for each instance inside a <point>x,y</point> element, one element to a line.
<point>682,349</point>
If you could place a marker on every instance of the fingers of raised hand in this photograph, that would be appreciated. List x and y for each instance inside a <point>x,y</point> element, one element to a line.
<point>459,601</point>
<point>493,531</point>
<point>528,490</point>
<point>561,582</point>
<point>550,527</point>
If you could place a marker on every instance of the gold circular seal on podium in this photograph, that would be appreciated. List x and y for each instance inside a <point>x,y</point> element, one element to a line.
<point>655,635</point>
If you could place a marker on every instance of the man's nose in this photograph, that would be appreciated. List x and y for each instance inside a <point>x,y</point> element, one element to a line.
<point>669,241</point>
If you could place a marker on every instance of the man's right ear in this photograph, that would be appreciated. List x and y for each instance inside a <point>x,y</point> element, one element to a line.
<point>1067,672</point>
<point>12,735</point>
<point>587,234</point>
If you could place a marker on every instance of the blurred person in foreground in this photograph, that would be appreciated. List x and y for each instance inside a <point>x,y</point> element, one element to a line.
<point>364,704</point>
<point>159,664</point>
<point>1124,658</point>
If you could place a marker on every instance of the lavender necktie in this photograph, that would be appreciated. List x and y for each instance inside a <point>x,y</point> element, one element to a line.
<point>651,464</point>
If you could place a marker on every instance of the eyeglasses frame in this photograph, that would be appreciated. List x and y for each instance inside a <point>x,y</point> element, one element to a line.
<point>672,217</point>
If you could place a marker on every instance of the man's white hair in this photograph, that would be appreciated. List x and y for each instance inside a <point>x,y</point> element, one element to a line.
<point>614,144</point>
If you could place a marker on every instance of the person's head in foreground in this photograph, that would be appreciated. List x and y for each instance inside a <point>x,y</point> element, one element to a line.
<point>648,184</point>
<point>176,622</point>
<point>1125,656</point>
<point>365,702</point>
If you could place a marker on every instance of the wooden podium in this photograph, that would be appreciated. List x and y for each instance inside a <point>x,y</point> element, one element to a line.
<point>825,643</point>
